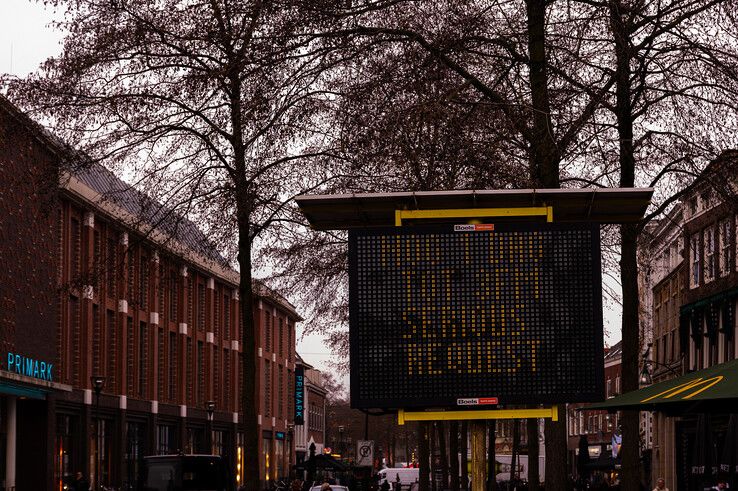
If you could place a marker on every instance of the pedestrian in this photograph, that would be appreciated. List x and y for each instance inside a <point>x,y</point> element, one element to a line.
<point>80,483</point>
<point>721,485</point>
<point>660,485</point>
<point>325,487</point>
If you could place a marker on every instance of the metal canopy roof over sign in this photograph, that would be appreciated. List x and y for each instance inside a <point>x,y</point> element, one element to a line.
<point>599,205</point>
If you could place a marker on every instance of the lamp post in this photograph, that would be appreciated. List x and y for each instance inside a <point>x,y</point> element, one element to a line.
<point>97,383</point>
<point>290,446</point>
<point>645,378</point>
<point>210,408</point>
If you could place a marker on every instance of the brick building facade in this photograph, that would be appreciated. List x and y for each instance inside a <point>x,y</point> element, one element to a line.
<point>157,317</point>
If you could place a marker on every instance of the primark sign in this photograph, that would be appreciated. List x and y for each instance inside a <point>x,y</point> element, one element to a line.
<point>30,367</point>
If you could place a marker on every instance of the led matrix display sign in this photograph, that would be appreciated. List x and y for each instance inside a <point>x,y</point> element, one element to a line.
<point>475,315</point>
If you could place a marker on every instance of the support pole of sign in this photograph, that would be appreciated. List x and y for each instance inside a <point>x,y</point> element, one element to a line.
<point>478,432</point>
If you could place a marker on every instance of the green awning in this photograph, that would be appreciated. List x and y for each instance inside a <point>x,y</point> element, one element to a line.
<point>710,390</point>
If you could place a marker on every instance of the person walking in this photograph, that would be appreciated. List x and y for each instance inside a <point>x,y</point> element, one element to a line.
<point>660,485</point>
<point>80,483</point>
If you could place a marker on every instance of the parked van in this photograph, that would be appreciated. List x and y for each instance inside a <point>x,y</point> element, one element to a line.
<point>408,475</point>
<point>185,473</point>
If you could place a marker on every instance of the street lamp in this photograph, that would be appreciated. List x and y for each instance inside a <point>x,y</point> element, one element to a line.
<point>97,383</point>
<point>210,408</point>
<point>645,377</point>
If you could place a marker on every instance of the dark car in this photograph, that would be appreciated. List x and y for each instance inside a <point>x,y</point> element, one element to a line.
<point>186,473</point>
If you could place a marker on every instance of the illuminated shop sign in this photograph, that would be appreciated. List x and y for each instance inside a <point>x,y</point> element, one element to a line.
<point>30,367</point>
<point>299,395</point>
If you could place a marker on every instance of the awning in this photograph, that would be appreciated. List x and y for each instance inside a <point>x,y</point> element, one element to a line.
<point>710,390</point>
<point>599,205</point>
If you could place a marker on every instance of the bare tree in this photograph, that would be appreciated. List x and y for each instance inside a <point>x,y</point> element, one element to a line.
<point>207,106</point>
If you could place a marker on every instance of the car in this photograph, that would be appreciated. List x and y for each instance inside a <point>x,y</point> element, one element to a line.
<point>334,487</point>
<point>186,473</point>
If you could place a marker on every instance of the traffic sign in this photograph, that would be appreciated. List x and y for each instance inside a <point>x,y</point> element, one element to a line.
<point>365,452</point>
<point>458,316</point>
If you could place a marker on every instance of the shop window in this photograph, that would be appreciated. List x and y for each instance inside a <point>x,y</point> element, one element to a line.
<point>67,453</point>
<point>218,443</point>
<point>166,442</point>
<point>195,441</point>
<point>100,445</point>
<point>135,450</point>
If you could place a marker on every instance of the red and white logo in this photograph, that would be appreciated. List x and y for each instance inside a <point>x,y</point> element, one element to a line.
<point>479,227</point>
<point>476,401</point>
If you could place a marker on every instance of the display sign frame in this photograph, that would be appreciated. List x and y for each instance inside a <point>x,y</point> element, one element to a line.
<point>479,397</point>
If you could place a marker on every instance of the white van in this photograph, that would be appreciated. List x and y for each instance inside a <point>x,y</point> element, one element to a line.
<point>408,475</point>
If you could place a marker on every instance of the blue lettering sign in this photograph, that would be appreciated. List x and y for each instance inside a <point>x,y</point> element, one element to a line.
<point>299,395</point>
<point>30,367</point>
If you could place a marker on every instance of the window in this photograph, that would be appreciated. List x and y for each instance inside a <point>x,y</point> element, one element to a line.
<point>74,324</point>
<point>165,440</point>
<point>200,372</point>
<point>216,316</point>
<point>724,232</point>
<point>131,275</point>
<point>96,338</point>
<point>172,392</point>
<point>694,259</point>
<point>290,345</point>
<point>76,248</point>
<point>710,258</point>
<point>143,352</point>
<point>267,390</point>
<point>227,334</point>
<point>692,206</point>
<point>227,379</point>
<point>609,388</point>
<point>173,295</point>
<point>111,340</point>
<point>267,330</point>
<point>281,337</point>
<point>143,282</point>
<point>161,368</point>
<point>280,394</point>
<point>200,307</point>
<point>190,372</point>
<point>110,266</point>
<point>130,363</point>
<point>96,261</point>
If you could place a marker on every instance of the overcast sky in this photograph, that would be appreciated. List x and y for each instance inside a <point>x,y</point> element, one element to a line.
<point>27,39</point>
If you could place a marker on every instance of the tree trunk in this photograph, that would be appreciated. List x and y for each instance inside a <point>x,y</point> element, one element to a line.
<point>515,448</point>
<point>533,474</point>
<point>423,481</point>
<point>544,155</point>
<point>556,452</point>
<point>464,459</point>
<point>454,454</point>
<point>544,160</point>
<point>244,208</point>
<point>444,454</point>
<point>492,456</point>
<point>620,26</point>
<point>433,449</point>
